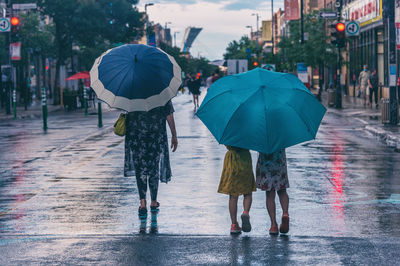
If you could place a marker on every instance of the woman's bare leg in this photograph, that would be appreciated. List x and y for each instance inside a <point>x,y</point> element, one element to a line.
<point>271,207</point>
<point>233,208</point>
<point>284,200</point>
<point>247,200</point>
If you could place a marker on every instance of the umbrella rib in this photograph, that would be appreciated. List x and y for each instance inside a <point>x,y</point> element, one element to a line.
<point>209,100</point>
<point>119,87</point>
<point>230,119</point>
<point>306,123</point>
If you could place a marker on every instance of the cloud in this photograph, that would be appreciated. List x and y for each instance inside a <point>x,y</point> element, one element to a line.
<point>244,4</point>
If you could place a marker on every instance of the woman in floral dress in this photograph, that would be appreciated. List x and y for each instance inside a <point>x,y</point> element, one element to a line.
<point>147,155</point>
<point>272,177</point>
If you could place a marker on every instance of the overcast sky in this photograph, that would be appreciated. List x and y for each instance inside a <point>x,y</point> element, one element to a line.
<point>222,20</point>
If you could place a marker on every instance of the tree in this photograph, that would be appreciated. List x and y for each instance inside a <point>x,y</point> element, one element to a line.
<point>315,51</point>
<point>92,26</point>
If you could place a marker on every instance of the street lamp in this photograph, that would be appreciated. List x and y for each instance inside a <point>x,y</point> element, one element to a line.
<point>175,37</point>
<point>251,31</point>
<point>257,17</point>
<point>147,19</point>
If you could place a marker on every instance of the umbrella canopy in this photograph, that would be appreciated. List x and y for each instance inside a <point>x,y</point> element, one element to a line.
<point>135,77</point>
<point>261,110</point>
<point>79,75</point>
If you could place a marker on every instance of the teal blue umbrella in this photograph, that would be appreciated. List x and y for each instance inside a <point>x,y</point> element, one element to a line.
<point>261,110</point>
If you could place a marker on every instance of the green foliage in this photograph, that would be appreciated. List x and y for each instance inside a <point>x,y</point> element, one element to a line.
<point>237,50</point>
<point>189,65</point>
<point>34,38</point>
<point>315,51</point>
<point>92,25</point>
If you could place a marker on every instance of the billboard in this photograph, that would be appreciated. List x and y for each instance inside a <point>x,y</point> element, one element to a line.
<point>292,11</point>
<point>266,35</point>
<point>236,66</point>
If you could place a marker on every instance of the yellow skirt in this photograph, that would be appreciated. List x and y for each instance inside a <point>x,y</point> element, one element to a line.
<point>237,176</point>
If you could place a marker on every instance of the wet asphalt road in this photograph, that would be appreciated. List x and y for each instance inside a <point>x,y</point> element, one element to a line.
<point>63,198</point>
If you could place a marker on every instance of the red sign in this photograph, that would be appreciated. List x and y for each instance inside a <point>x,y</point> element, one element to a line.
<point>15,50</point>
<point>292,10</point>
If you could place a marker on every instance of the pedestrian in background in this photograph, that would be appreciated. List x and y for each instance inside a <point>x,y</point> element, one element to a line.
<point>194,88</point>
<point>209,81</point>
<point>215,77</point>
<point>272,177</point>
<point>373,87</point>
<point>363,81</point>
<point>238,179</point>
<point>147,155</point>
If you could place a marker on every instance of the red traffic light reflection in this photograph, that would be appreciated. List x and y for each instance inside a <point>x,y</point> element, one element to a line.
<point>14,21</point>
<point>340,26</point>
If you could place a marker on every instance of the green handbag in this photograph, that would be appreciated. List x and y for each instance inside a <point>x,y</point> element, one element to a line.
<point>119,126</point>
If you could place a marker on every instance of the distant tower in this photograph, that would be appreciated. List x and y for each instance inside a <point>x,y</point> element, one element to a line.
<point>189,37</point>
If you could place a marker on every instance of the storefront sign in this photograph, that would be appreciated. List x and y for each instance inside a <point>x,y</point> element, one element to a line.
<point>363,11</point>
<point>392,75</point>
<point>15,50</point>
<point>302,72</point>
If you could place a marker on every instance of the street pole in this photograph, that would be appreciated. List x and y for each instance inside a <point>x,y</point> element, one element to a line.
<point>44,108</point>
<point>339,64</point>
<point>9,63</point>
<point>301,23</point>
<point>14,99</point>
<point>272,25</point>
<point>100,115</point>
<point>85,100</point>
<point>147,20</point>
<point>393,108</point>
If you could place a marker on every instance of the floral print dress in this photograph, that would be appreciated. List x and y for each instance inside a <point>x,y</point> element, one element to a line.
<point>146,144</point>
<point>271,171</point>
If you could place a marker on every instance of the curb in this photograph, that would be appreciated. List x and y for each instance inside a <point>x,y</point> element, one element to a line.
<point>390,139</point>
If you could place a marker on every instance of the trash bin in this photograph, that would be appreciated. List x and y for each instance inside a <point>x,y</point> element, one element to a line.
<point>331,97</point>
<point>385,110</point>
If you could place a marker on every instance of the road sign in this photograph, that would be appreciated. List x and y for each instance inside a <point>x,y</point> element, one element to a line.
<point>24,6</point>
<point>328,15</point>
<point>352,28</point>
<point>5,25</point>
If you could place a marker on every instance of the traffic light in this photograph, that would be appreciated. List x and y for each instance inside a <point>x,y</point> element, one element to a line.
<point>338,34</point>
<point>341,38</point>
<point>14,24</point>
<point>255,64</point>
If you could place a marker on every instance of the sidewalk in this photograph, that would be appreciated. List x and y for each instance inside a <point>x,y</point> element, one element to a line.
<point>353,108</point>
<point>33,111</point>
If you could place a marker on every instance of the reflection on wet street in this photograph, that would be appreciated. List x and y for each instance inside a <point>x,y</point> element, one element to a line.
<point>69,182</point>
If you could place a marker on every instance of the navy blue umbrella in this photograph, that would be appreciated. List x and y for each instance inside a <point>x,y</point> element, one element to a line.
<point>135,77</point>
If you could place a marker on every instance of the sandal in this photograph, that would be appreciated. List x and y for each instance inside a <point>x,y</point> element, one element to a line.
<point>274,230</point>
<point>284,228</point>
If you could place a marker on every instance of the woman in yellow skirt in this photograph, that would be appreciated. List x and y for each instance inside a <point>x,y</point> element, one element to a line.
<point>238,179</point>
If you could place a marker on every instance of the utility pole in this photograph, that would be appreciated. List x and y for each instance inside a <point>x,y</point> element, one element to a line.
<point>272,25</point>
<point>258,45</point>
